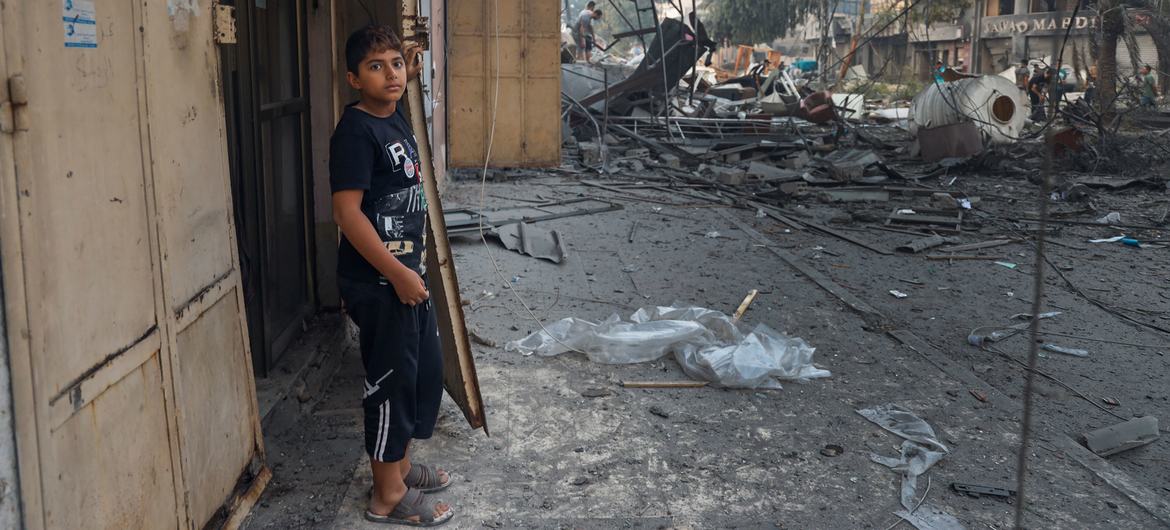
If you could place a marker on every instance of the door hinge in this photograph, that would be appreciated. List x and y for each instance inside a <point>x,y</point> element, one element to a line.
<point>11,118</point>
<point>225,24</point>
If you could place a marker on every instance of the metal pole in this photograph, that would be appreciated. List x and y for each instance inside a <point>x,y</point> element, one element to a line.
<point>662,60</point>
<point>695,66</point>
<point>605,120</point>
<point>618,10</point>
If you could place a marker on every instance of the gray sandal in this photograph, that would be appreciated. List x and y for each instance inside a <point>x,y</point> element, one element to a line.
<point>414,504</point>
<point>425,478</point>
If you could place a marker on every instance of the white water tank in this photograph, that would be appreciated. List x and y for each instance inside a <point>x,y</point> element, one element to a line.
<point>995,104</point>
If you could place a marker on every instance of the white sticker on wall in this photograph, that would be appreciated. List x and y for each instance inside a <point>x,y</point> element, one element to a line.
<point>80,20</point>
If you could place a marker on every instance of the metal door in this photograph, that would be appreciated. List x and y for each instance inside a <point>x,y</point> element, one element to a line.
<point>133,395</point>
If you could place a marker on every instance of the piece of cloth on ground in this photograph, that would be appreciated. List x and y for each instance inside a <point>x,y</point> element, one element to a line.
<point>709,345</point>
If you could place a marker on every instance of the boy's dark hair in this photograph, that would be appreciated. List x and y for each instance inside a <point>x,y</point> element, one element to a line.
<point>597,13</point>
<point>590,5</point>
<point>370,39</point>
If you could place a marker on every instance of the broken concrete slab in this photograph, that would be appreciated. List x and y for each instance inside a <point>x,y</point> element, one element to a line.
<point>731,176</point>
<point>670,160</point>
<point>1122,436</point>
<point>770,173</point>
<point>796,160</point>
<point>590,153</point>
<point>849,164</point>
<point>918,245</point>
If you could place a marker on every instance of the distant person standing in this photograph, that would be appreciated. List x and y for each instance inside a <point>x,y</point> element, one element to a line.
<point>575,28</point>
<point>586,38</point>
<point>1149,88</point>
<point>1022,76</point>
<point>939,68</point>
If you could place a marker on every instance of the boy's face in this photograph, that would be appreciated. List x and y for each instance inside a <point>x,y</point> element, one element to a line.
<point>381,76</point>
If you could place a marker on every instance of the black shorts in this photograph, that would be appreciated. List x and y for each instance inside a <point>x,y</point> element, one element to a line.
<point>587,43</point>
<point>403,363</point>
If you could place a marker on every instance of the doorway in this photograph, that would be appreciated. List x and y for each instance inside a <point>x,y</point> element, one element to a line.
<point>266,100</point>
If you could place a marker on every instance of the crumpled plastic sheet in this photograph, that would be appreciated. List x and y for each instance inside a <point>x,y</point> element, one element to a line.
<point>930,517</point>
<point>707,343</point>
<point>920,447</point>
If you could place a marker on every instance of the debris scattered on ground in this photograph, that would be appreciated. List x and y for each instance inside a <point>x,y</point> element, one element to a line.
<point>708,344</point>
<point>664,384</point>
<point>920,449</point>
<point>978,490</point>
<point>1122,436</point>
<point>1075,352</point>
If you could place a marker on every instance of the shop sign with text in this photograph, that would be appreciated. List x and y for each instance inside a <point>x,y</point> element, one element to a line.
<point>1038,24</point>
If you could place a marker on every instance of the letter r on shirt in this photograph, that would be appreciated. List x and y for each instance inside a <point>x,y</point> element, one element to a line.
<point>397,154</point>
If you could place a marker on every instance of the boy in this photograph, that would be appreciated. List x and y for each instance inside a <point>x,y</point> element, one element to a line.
<point>378,203</point>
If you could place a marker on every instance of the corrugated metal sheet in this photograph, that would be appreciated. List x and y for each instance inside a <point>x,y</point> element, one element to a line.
<point>972,99</point>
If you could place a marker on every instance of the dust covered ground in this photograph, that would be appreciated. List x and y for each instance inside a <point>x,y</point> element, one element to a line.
<point>571,448</point>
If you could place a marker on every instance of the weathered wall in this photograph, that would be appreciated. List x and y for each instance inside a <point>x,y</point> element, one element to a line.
<point>504,73</point>
<point>133,395</point>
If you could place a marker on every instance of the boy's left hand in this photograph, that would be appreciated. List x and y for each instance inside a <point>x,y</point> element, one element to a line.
<point>413,56</point>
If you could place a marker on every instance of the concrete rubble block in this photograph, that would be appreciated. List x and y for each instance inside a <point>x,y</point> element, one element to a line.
<point>637,152</point>
<point>796,160</point>
<point>770,173</point>
<point>590,153</point>
<point>1122,436</point>
<point>731,176</point>
<point>849,164</point>
<point>670,160</point>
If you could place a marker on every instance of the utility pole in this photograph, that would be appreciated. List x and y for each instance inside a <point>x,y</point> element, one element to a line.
<point>568,15</point>
<point>853,46</point>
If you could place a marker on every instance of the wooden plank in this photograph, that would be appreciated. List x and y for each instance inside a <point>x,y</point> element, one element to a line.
<point>664,384</point>
<point>459,376</point>
<point>242,504</point>
<point>747,302</point>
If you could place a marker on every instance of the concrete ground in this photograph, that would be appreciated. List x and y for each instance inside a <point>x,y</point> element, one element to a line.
<point>571,448</point>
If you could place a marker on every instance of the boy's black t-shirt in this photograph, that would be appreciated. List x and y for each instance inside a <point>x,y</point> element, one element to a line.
<point>380,156</point>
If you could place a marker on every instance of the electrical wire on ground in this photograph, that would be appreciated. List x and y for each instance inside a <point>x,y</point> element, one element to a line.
<point>487,156</point>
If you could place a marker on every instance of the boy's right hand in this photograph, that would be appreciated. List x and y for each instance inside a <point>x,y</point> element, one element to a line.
<point>409,286</point>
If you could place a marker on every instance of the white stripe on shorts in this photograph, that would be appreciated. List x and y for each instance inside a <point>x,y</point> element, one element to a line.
<point>380,440</point>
